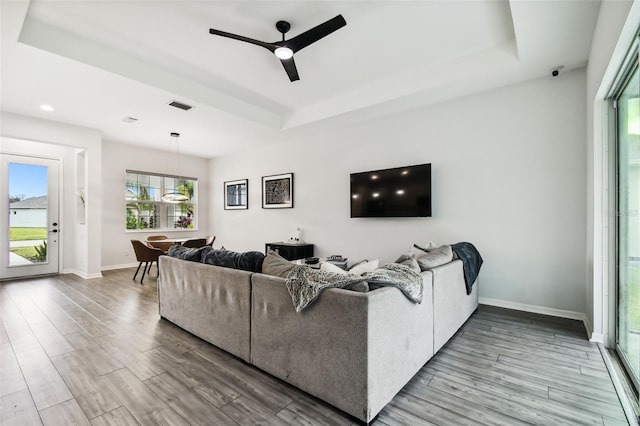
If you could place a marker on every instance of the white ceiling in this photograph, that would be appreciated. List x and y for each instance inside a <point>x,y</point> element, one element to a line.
<point>97,62</point>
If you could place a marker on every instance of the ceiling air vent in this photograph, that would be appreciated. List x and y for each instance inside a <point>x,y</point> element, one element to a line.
<point>180,105</point>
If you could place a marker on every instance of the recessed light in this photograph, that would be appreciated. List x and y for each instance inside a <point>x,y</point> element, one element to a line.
<point>400,191</point>
<point>376,194</point>
<point>374,177</point>
<point>46,107</point>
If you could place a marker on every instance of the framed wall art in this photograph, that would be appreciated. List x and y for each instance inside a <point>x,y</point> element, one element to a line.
<point>277,191</point>
<point>236,194</point>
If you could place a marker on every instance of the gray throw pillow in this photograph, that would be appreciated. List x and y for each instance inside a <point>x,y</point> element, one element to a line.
<point>186,253</point>
<point>434,257</point>
<point>276,265</point>
<point>409,262</point>
<point>249,261</point>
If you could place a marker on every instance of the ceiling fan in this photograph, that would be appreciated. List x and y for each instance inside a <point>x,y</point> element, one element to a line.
<point>285,49</point>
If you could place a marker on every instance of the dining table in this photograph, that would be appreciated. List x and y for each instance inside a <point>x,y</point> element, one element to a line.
<point>166,243</point>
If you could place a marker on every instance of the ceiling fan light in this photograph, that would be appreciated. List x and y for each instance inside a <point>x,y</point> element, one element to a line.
<point>283,53</point>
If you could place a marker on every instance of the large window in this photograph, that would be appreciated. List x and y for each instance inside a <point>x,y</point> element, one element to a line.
<point>626,106</point>
<point>146,209</point>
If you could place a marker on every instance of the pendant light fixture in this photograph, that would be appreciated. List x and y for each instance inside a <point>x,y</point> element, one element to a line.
<point>174,196</point>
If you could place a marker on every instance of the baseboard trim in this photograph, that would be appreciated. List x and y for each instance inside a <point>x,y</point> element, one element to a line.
<point>81,274</point>
<point>597,338</point>
<point>561,313</point>
<point>121,266</point>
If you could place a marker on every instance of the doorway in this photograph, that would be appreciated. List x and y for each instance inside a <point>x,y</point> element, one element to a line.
<point>29,235</point>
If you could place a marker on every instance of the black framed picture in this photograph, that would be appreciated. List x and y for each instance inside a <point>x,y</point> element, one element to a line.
<point>236,194</point>
<point>277,191</point>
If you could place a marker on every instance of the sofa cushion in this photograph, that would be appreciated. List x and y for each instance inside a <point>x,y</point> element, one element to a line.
<point>434,257</point>
<point>249,261</point>
<point>276,265</point>
<point>186,253</point>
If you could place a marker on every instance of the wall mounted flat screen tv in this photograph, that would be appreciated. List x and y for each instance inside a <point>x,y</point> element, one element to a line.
<point>398,192</point>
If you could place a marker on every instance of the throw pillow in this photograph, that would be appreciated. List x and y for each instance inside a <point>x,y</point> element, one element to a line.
<point>350,267</point>
<point>186,253</point>
<point>250,261</point>
<point>276,265</point>
<point>330,267</point>
<point>435,257</point>
<point>365,267</point>
<point>409,262</point>
<point>417,249</point>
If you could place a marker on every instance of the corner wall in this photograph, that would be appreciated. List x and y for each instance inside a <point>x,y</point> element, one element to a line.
<point>508,173</point>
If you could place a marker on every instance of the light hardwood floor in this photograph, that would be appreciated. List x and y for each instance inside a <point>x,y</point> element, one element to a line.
<point>95,352</point>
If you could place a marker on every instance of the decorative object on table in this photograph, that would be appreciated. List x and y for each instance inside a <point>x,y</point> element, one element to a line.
<point>236,194</point>
<point>174,195</point>
<point>312,262</point>
<point>277,191</point>
<point>338,260</point>
<point>296,238</point>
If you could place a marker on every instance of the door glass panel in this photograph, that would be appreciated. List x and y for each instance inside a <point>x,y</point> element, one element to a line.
<point>628,130</point>
<point>28,214</point>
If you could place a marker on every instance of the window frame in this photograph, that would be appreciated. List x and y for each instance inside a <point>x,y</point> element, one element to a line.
<point>162,209</point>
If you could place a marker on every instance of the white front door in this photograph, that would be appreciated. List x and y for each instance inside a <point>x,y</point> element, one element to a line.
<point>30,227</point>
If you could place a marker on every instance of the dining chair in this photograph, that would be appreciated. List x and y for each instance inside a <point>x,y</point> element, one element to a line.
<point>195,243</point>
<point>146,255</point>
<point>210,239</point>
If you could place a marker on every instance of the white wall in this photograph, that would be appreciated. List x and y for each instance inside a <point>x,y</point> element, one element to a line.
<point>32,136</point>
<point>28,218</point>
<point>508,171</point>
<point>116,248</point>
<point>616,27</point>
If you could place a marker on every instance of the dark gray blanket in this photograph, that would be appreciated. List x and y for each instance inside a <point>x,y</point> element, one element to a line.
<point>471,262</point>
<point>306,284</point>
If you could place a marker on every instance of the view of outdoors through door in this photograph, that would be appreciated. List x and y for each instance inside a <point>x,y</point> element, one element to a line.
<point>27,214</point>
<point>30,199</point>
<point>628,169</point>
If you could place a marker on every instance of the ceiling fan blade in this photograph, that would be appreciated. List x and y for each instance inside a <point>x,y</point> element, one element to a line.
<point>290,67</point>
<point>316,33</point>
<point>270,46</point>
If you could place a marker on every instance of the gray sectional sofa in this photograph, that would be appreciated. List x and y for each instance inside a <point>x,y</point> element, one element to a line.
<point>353,350</point>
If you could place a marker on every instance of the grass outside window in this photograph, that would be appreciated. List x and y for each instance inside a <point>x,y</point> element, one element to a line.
<point>25,234</point>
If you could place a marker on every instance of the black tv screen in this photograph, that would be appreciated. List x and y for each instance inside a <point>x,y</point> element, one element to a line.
<point>398,192</point>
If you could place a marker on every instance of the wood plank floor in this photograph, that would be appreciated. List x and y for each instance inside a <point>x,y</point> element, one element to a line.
<point>96,353</point>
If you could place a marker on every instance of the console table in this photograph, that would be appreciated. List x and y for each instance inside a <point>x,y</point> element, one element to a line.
<point>290,251</point>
